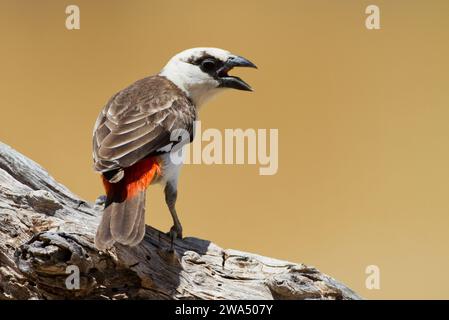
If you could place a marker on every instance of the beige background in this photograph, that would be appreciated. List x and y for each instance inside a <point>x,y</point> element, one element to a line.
<point>362,116</point>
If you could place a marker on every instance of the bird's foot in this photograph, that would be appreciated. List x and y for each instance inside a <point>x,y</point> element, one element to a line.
<point>174,233</point>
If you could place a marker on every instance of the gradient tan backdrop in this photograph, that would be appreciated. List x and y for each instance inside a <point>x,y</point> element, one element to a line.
<point>362,116</point>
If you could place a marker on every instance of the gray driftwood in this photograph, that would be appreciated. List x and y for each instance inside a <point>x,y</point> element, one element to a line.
<point>44,228</point>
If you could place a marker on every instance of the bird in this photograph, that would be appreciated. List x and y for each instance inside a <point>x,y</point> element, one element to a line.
<point>132,137</point>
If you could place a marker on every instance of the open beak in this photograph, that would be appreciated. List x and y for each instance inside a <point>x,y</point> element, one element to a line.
<point>227,81</point>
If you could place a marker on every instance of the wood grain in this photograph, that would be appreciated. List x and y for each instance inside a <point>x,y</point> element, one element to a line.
<point>44,228</point>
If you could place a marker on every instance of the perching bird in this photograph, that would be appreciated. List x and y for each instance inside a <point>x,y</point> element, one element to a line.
<point>132,137</point>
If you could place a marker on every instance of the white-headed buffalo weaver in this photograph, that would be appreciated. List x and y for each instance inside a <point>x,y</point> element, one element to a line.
<point>132,137</point>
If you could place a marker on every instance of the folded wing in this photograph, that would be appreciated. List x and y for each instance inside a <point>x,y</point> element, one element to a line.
<point>138,121</point>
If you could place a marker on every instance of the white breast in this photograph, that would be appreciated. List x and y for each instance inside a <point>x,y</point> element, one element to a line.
<point>170,170</point>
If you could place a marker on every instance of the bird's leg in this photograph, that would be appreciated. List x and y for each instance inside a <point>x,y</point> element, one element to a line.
<point>171,194</point>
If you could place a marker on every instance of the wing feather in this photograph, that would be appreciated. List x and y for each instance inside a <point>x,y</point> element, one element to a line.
<point>138,121</point>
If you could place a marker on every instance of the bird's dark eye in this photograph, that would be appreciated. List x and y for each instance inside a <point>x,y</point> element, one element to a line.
<point>208,65</point>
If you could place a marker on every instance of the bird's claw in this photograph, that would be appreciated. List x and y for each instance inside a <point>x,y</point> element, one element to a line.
<point>174,233</point>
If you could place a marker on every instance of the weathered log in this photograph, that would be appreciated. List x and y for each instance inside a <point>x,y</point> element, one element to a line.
<point>45,229</point>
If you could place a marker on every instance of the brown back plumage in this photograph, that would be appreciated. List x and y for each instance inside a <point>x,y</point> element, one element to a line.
<point>138,120</point>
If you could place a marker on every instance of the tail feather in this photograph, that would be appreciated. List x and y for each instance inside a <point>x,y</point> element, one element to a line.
<point>124,214</point>
<point>103,238</point>
<point>139,230</point>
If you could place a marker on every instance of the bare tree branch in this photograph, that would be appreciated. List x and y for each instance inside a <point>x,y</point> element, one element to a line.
<point>44,228</point>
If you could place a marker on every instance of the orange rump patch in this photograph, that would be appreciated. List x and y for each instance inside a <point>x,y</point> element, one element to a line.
<point>136,178</point>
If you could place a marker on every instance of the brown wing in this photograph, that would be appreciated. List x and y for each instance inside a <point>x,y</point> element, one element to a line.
<point>138,121</point>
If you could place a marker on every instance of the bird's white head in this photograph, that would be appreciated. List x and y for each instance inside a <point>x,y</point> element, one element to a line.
<point>203,72</point>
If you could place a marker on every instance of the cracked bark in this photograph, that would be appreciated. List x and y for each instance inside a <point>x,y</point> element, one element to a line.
<point>44,228</point>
